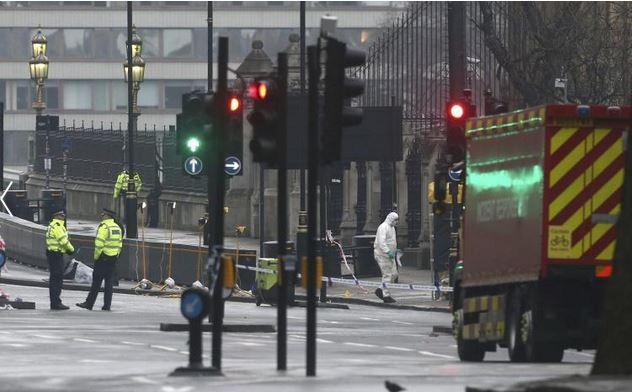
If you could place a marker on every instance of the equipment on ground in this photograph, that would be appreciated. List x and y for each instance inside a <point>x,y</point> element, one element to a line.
<point>543,193</point>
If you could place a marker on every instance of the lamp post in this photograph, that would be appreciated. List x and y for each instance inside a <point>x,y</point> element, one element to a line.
<point>134,73</point>
<point>38,69</point>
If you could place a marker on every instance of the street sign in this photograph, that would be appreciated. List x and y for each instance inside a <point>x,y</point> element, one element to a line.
<point>232,166</point>
<point>2,199</point>
<point>455,175</point>
<point>193,166</point>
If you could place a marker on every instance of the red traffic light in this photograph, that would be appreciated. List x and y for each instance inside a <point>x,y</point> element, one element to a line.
<point>456,110</point>
<point>234,104</point>
<point>258,90</point>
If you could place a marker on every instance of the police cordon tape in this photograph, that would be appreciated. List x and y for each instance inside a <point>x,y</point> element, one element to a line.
<point>356,282</point>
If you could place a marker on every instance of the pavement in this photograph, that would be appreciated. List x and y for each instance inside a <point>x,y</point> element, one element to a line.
<point>357,350</point>
<point>20,274</point>
<point>337,292</point>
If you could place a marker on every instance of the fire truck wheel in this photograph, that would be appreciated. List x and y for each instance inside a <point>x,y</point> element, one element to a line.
<point>537,350</point>
<point>515,344</point>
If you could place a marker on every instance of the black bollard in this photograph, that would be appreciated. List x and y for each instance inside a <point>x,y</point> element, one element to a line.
<point>194,306</point>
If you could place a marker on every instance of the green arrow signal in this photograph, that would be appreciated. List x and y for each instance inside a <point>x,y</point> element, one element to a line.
<point>193,144</point>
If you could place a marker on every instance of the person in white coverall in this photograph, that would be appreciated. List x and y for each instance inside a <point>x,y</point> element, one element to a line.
<point>384,251</point>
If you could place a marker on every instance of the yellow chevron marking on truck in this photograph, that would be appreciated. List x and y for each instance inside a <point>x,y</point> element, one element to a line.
<point>607,189</point>
<point>561,137</point>
<point>607,253</point>
<point>600,133</point>
<point>607,158</point>
<point>566,196</point>
<point>566,164</point>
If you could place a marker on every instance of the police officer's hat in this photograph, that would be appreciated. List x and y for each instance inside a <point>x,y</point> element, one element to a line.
<point>59,212</point>
<point>109,212</point>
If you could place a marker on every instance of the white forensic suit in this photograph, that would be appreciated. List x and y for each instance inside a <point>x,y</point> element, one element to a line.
<point>385,250</point>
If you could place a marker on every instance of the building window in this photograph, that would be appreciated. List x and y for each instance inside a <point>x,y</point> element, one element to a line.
<point>151,43</point>
<point>173,95</point>
<point>3,92</point>
<point>78,43</point>
<point>178,42</point>
<point>5,43</point>
<point>149,95</point>
<point>103,42</point>
<point>77,95</point>
<point>101,95</point>
<point>52,95</point>
<point>55,45</point>
<point>119,95</point>
<point>23,96</point>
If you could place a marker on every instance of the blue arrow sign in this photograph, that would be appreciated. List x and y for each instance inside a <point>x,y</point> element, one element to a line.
<point>193,166</point>
<point>232,166</point>
<point>455,175</point>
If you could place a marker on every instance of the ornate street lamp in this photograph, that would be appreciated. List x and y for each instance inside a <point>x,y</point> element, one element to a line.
<point>138,76</point>
<point>39,42</point>
<point>38,68</point>
<point>137,43</point>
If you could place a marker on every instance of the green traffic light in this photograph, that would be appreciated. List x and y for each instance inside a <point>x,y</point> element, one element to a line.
<point>193,144</point>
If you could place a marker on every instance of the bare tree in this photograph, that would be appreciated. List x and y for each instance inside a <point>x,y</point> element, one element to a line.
<point>586,42</point>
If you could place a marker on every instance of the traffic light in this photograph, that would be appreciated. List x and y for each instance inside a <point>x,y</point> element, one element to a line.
<point>265,120</point>
<point>457,112</point>
<point>192,132</point>
<point>235,129</point>
<point>339,88</point>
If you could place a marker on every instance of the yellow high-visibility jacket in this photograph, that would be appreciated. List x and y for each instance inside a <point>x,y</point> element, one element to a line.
<point>122,182</point>
<point>109,240</point>
<point>57,237</point>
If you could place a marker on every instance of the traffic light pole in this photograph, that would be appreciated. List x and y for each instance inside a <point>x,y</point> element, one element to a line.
<point>209,34</point>
<point>282,221</point>
<point>216,182</point>
<point>312,205</point>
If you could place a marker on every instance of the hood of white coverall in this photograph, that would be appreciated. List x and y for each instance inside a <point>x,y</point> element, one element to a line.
<point>391,218</point>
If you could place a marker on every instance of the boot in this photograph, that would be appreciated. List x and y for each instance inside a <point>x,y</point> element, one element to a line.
<point>379,293</point>
<point>59,306</point>
<point>389,300</point>
<point>84,305</point>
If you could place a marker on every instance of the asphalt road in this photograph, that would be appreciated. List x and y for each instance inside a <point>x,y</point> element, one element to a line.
<point>123,350</point>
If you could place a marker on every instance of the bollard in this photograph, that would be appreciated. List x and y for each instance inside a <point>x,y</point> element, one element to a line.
<point>194,306</point>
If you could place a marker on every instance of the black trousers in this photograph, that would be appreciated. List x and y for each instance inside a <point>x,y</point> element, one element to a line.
<point>56,277</point>
<point>103,271</point>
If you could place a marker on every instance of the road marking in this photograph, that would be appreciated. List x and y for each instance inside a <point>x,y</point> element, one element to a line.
<point>398,348</point>
<point>584,354</point>
<point>251,344</point>
<point>133,343</point>
<point>95,361</point>
<point>329,322</point>
<point>183,352</point>
<point>369,319</point>
<point>402,322</point>
<point>430,354</point>
<point>84,340</point>
<point>15,344</point>
<point>47,337</point>
<point>298,337</point>
<point>163,347</point>
<point>168,388</point>
<point>323,340</point>
<point>144,380</point>
<point>359,344</point>
<point>296,318</point>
